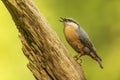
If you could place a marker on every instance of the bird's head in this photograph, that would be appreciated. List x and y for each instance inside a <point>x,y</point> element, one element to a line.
<point>69,22</point>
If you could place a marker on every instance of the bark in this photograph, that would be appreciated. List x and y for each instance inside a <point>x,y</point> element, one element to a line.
<point>48,57</point>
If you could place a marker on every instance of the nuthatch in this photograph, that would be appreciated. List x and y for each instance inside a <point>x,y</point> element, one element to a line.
<point>79,40</point>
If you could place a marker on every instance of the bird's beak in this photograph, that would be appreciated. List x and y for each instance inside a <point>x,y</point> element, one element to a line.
<point>61,19</point>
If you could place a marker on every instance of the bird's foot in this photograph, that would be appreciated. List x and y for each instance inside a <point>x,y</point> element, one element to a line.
<point>77,57</point>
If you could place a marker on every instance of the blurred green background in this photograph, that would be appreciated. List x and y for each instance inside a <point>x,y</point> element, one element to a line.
<point>100,19</point>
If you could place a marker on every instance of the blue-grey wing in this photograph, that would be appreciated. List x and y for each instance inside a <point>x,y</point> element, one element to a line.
<point>84,38</point>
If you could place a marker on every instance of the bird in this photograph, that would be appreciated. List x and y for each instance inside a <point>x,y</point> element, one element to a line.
<point>79,40</point>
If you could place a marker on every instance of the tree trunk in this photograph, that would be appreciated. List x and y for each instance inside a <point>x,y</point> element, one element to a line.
<point>48,57</point>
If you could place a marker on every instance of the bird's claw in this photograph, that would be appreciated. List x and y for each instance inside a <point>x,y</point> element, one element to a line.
<point>77,57</point>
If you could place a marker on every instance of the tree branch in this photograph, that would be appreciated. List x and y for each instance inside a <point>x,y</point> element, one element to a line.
<point>48,57</point>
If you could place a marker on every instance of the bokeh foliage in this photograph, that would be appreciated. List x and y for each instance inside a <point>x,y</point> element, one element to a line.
<point>100,19</point>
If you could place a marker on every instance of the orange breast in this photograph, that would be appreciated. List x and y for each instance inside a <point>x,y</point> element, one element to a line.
<point>70,33</point>
<point>73,38</point>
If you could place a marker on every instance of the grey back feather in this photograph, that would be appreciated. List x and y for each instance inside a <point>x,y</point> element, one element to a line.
<point>84,38</point>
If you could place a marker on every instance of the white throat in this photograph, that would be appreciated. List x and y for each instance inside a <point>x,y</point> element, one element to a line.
<point>68,24</point>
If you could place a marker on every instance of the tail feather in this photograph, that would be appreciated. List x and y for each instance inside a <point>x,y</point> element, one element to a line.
<point>97,58</point>
<point>99,62</point>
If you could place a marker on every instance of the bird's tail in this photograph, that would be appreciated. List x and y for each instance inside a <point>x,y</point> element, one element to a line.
<point>97,58</point>
<point>99,62</point>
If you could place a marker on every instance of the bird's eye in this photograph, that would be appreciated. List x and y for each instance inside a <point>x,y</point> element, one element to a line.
<point>68,20</point>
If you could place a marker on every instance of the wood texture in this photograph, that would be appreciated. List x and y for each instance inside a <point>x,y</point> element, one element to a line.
<point>48,57</point>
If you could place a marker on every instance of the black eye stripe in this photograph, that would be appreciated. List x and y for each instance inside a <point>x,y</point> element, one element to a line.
<point>71,20</point>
